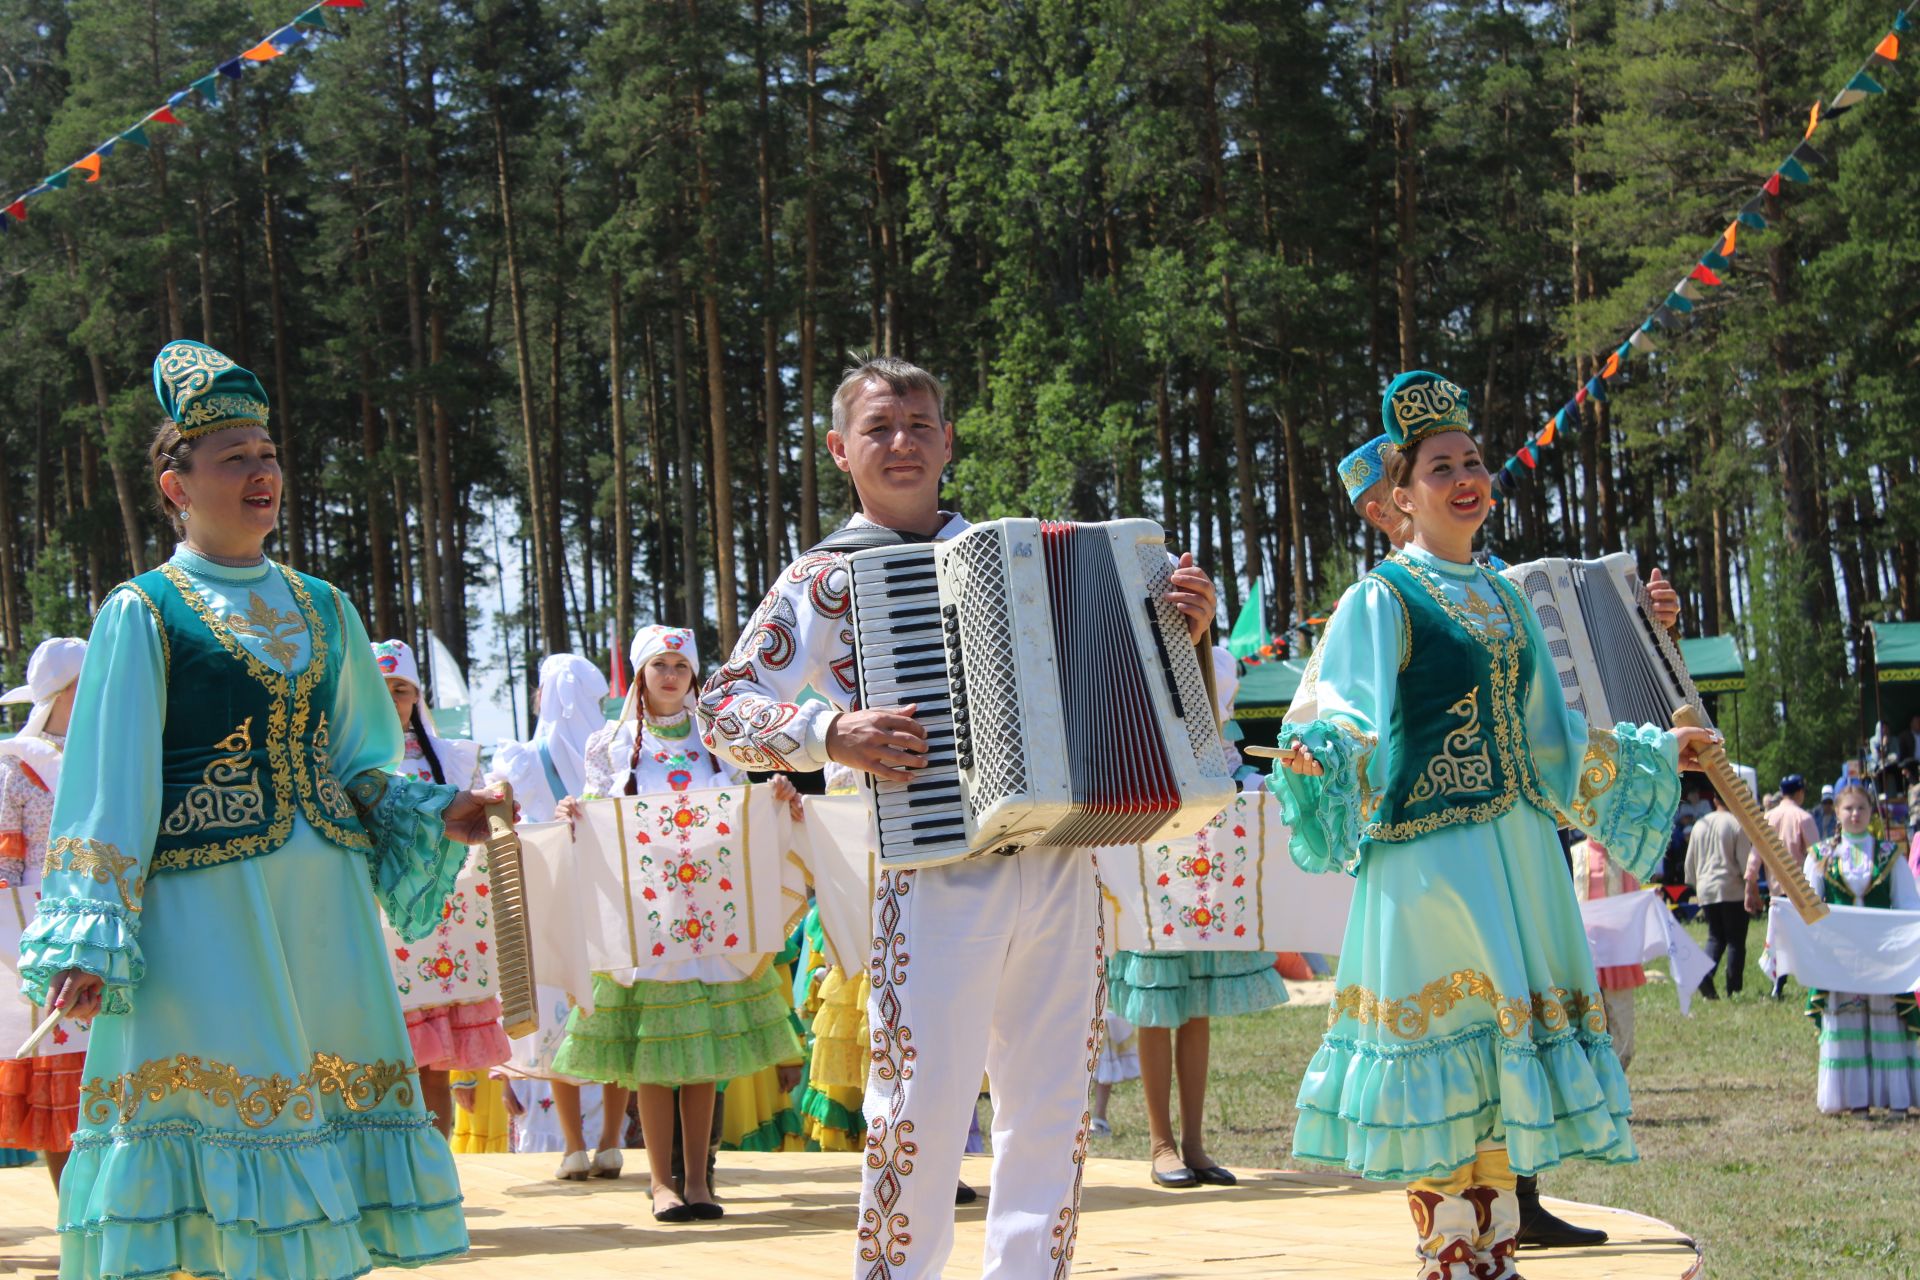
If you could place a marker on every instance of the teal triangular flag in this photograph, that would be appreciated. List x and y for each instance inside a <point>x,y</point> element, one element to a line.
<point>1900,21</point>
<point>1751,216</point>
<point>1864,83</point>
<point>1625,351</point>
<point>1250,632</point>
<point>1793,171</point>
<point>57,181</point>
<point>136,135</point>
<point>1675,302</point>
<point>314,17</point>
<point>209,87</point>
<point>1714,260</point>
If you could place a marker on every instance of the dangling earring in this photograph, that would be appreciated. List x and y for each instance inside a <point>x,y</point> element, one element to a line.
<point>183,515</point>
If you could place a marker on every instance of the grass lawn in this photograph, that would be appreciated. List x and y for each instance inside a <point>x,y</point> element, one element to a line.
<point>1732,1150</point>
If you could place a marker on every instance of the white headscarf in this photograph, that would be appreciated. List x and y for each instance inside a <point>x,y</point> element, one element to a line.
<point>54,666</point>
<point>457,756</point>
<point>571,692</point>
<point>648,643</point>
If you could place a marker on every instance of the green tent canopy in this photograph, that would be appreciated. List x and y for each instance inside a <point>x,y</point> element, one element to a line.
<point>1266,691</point>
<point>1715,664</point>
<point>1896,652</point>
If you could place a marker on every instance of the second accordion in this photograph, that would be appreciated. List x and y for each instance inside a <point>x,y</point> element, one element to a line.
<point>1064,702</point>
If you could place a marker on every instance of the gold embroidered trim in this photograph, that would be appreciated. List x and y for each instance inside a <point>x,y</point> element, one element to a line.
<point>102,861</point>
<point>259,1100</point>
<point>1462,766</point>
<point>332,796</point>
<point>189,369</point>
<point>1410,1017</point>
<point>1884,852</point>
<point>1367,743</point>
<point>166,642</point>
<point>1599,770</point>
<point>275,630</point>
<point>220,412</point>
<point>327,809</point>
<point>229,794</point>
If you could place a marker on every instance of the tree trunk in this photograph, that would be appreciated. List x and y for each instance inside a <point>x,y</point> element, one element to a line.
<point>722,476</point>
<point>690,594</point>
<point>557,559</point>
<point>622,521</point>
<point>776,556</point>
<point>552,631</point>
<point>662,563</point>
<point>809,480</point>
<point>378,529</point>
<point>286,431</point>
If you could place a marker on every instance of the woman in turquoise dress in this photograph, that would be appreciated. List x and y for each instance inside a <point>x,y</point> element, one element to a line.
<point>249,1109</point>
<point>1467,1040</point>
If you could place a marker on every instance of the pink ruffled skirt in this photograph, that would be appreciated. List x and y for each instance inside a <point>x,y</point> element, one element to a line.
<point>458,1037</point>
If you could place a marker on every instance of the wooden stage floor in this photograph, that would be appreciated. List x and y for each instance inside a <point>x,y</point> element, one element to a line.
<point>791,1216</point>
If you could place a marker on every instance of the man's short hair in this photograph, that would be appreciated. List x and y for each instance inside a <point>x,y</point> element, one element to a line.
<point>901,377</point>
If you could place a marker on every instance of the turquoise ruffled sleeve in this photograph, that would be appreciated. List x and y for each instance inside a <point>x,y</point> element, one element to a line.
<point>1621,785</point>
<point>414,865</point>
<point>1362,652</point>
<point>106,814</point>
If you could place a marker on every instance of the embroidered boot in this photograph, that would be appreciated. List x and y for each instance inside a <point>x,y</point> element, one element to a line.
<point>1496,1224</point>
<point>1445,1227</point>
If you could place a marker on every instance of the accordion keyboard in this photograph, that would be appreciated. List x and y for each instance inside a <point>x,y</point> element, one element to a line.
<point>903,661</point>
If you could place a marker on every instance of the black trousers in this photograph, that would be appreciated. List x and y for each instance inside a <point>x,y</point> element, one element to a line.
<point>1726,935</point>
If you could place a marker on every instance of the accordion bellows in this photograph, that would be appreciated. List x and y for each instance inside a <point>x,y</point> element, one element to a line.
<point>1064,702</point>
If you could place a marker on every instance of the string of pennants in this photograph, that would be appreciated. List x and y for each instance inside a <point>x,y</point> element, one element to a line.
<point>1796,168</point>
<point>205,90</point>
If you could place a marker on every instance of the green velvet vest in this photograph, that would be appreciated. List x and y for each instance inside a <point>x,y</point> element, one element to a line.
<point>1833,885</point>
<point>1458,732</point>
<point>244,747</point>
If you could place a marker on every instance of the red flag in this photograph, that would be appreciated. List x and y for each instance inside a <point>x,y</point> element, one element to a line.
<point>1526,456</point>
<point>343,4</point>
<point>164,116</point>
<point>1772,185</point>
<point>18,209</point>
<point>1579,397</point>
<point>1704,274</point>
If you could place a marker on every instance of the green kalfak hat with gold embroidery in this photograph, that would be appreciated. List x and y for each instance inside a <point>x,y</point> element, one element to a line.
<point>204,391</point>
<point>1418,404</point>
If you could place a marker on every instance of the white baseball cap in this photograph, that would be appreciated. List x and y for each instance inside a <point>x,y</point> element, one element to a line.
<point>54,666</point>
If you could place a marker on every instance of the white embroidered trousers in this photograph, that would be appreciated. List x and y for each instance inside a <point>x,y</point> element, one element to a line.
<point>995,965</point>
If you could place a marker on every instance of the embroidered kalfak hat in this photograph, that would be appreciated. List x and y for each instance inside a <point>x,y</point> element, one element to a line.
<point>205,391</point>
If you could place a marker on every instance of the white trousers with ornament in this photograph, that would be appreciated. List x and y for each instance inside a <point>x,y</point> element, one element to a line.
<point>996,965</point>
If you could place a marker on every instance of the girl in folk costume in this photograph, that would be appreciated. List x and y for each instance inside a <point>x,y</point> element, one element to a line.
<point>39,1096</point>
<point>1170,998</point>
<point>460,1030</point>
<point>671,1026</point>
<point>552,765</point>
<point>226,824</point>
<point>1596,876</point>
<point>1869,1045</point>
<point>1467,1040</point>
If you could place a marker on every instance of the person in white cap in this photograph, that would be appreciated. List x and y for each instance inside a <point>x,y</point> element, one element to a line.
<point>39,1096</point>
<point>671,1030</point>
<point>551,765</point>
<point>458,1027</point>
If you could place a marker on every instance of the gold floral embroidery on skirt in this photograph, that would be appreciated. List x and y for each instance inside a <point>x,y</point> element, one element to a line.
<point>258,1100</point>
<point>1410,1017</point>
<point>102,861</point>
<point>229,794</point>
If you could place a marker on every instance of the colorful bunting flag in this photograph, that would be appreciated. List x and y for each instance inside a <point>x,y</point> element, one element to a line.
<point>58,181</point>
<point>1813,119</point>
<point>1888,48</point>
<point>265,51</point>
<point>1730,239</point>
<point>230,68</point>
<point>89,165</point>
<point>1613,364</point>
<point>179,98</point>
<point>312,18</point>
<point>1642,342</point>
<point>1772,185</point>
<point>105,149</point>
<point>1857,89</point>
<point>209,88</point>
<point>1792,170</point>
<point>1597,389</point>
<point>1806,154</point>
<point>1688,289</point>
<point>1526,457</point>
<point>1750,211</point>
<point>343,4</point>
<point>18,209</point>
<point>1705,275</point>
<point>287,38</point>
<point>164,116</point>
<point>137,136</point>
<point>1900,21</point>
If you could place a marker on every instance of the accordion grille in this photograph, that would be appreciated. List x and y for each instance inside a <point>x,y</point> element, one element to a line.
<point>978,569</point>
<point>1203,733</point>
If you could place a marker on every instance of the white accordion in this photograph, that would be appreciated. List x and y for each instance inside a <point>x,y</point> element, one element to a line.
<point>1064,702</point>
<point>1615,663</point>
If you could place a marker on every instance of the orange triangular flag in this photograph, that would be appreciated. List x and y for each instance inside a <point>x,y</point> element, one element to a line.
<point>1613,365</point>
<point>1813,120</point>
<point>1889,48</point>
<point>1731,240</point>
<point>90,166</point>
<point>262,52</point>
<point>1547,432</point>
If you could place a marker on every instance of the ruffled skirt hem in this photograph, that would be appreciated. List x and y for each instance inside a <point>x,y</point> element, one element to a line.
<point>675,1033</point>
<point>841,1054</point>
<point>1399,1112</point>
<point>1165,989</point>
<point>329,1203</point>
<point>830,1122</point>
<point>458,1037</point>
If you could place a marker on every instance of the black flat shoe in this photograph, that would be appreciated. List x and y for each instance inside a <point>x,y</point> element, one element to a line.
<point>964,1194</point>
<point>1214,1176</point>
<point>1541,1228</point>
<point>706,1210</point>
<point>679,1213</point>
<point>1179,1180</point>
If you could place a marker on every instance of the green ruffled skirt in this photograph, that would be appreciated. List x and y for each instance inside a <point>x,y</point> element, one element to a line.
<point>675,1033</point>
<point>1168,988</point>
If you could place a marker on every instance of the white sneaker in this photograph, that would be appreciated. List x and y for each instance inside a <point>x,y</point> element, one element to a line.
<point>606,1164</point>
<point>1099,1128</point>
<point>573,1167</point>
